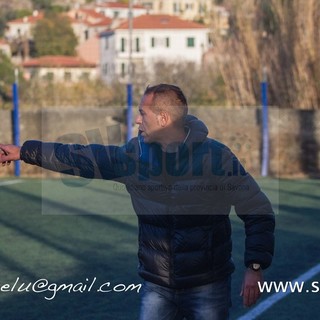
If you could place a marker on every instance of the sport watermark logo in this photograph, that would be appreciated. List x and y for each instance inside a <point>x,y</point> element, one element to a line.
<point>90,158</point>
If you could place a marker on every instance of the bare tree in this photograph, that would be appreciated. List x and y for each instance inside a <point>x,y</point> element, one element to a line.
<point>282,36</point>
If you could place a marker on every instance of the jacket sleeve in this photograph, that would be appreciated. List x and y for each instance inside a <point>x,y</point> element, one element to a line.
<point>88,161</point>
<point>254,208</point>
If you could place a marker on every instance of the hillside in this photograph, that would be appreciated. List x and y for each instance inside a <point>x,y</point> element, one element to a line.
<point>6,5</point>
<point>15,5</point>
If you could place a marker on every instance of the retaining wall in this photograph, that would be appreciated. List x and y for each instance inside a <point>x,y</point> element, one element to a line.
<point>294,134</point>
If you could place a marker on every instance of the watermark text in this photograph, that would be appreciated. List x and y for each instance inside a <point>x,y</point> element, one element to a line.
<point>51,289</point>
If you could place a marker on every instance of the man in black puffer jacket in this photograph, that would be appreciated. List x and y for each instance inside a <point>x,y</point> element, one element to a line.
<point>182,186</point>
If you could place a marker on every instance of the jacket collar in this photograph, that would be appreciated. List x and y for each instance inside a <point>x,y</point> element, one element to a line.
<point>197,132</point>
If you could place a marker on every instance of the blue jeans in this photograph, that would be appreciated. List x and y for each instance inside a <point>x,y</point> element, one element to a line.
<point>207,302</point>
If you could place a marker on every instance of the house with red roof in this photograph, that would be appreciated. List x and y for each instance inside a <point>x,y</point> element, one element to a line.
<point>22,27</point>
<point>88,23</point>
<point>60,68</point>
<point>205,10</point>
<point>154,38</point>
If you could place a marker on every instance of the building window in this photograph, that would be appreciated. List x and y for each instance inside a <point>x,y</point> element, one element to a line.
<point>49,76</point>
<point>160,42</point>
<point>123,69</point>
<point>34,73</point>
<point>123,44</point>
<point>175,7</point>
<point>190,42</point>
<point>85,76</point>
<point>202,8</point>
<point>133,70</point>
<point>148,5</point>
<point>106,43</point>
<point>137,45</point>
<point>167,42</point>
<point>67,76</point>
<point>105,69</point>
<point>115,14</point>
<point>86,34</point>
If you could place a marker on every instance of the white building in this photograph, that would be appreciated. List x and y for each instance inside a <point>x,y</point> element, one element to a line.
<point>5,47</point>
<point>155,38</point>
<point>185,9</point>
<point>59,68</point>
<point>22,28</point>
<point>117,10</point>
<point>205,10</point>
<point>87,23</point>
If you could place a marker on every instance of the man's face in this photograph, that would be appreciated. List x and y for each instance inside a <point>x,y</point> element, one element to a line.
<point>148,121</point>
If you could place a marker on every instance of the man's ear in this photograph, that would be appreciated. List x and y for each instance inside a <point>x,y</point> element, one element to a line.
<point>164,118</point>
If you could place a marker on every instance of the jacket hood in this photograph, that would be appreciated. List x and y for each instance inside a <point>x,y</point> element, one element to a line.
<point>197,130</point>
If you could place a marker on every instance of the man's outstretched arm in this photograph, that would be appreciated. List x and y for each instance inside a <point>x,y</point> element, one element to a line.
<point>88,161</point>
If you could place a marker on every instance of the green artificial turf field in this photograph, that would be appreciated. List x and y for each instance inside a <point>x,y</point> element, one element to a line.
<point>84,235</point>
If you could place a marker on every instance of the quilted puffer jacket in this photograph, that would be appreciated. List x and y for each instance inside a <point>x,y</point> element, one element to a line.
<point>182,201</point>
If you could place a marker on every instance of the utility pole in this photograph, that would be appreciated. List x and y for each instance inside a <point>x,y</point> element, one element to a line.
<point>16,119</point>
<point>129,84</point>
<point>265,124</point>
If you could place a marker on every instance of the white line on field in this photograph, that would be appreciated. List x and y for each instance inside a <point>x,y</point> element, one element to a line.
<point>268,303</point>
<point>8,183</point>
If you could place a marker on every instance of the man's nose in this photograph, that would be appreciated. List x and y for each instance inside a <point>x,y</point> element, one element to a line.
<point>138,119</point>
